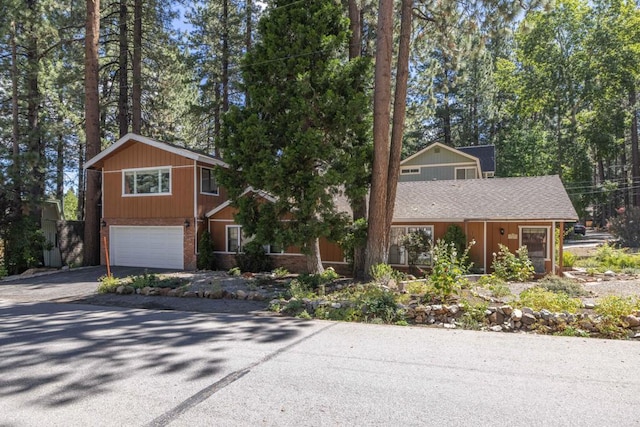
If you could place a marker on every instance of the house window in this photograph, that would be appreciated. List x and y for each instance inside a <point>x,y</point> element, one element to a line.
<point>398,254</point>
<point>208,184</point>
<point>234,238</point>
<point>536,239</point>
<point>148,181</point>
<point>410,171</point>
<point>466,173</point>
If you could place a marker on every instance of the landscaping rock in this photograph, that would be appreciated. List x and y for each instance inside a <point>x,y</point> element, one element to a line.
<point>506,310</point>
<point>516,315</point>
<point>528,319</point>
<point>632,321</point>
<point>496,328</point>
<point>609,273</point>
<point>240,294</point>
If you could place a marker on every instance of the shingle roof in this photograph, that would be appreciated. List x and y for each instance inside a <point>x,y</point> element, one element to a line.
<point>526,198</point>
<point>486,154</point>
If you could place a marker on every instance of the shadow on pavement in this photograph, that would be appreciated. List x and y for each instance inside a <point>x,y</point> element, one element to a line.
<point>67,352</point>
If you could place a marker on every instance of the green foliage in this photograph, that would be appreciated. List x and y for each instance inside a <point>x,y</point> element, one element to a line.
<point>614,307</point>
<point>571,331</point>
<point>23,246</point>
<point>498,287</point>
<point>448,269</point>
<point>70,205</point>
<point>568,287</point>
<point>538,298</point>
<point>206,257</point>
<point>235,271</point>
<point>108,284</point>
<point>568,259</point>
<point>378,303</point>
<point>382,273</point>
<point>474,316</point>
<point>303,135</point>
<point>455,235</point>
<point>508,266</point>
<point>610,258</point>
<point>355,236</point>
<point>280,272</point>
<point>416,243</point>
<point>254,258</point>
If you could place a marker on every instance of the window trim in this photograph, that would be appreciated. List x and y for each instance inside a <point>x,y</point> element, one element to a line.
<point>410,170</point>
<point>217,192</point>
<point>135,170</point>
<point>547,256</point>
<point>226,240</point>
<point>465,168</point>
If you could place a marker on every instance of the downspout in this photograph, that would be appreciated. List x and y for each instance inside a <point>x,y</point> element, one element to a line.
<point>484,247</point>
<point>195,207</point>
<point>553,248</point>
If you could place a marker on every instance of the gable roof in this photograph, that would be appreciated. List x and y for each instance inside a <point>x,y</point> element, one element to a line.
<point>525,198</point>
<point>440,145</point>
<point>132,137</point>
<point>485,153</point>
<point>227,203</point>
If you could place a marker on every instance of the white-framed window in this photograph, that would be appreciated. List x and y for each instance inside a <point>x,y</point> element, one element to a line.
<point>398,253</point>
<point>536,239</point>
<point>208,184</point>
<point>146,181</point>
<point>410,171</point>
<point>466,173</point>
<point>236,241</point>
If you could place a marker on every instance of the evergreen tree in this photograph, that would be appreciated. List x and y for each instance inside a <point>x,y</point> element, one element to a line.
<point>302,96</point>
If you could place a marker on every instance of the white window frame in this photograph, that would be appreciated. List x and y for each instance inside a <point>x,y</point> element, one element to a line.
<point>547,255</point>
<point>410,171</point>
<point>160,169</point>
<point>466,169</point>
<point>217,191</point>
<point>240,239</point>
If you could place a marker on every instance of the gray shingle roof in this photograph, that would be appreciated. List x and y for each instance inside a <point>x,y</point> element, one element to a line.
<point>485,153</point>
<point>525,198</point>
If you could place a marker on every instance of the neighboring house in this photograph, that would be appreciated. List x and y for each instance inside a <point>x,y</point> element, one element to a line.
<point>158,199</point>
<point>441,162</point>
<point>154,198</point>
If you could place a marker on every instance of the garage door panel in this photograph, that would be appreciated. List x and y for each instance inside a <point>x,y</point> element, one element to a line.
<point>155,247</point>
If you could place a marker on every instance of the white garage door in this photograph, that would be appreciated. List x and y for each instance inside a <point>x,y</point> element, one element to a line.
<point>159,247</point>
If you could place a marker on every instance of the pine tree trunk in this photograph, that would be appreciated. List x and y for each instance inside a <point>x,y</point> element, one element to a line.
<point>314,262</point>
<point>377,246</point>
<point>92,131</point>
<point>635,156</point>
<point>136,102</point>
<point>16,176</point>
<point>123,71</point>
<point>399,112</point>
<point>225,56</point>
<point>81,181</point>
<point>60,167</point>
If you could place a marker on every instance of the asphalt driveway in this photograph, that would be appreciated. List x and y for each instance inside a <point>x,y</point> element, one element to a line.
<point>79,286</point>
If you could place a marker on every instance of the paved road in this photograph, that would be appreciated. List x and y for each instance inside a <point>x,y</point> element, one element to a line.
<point>76,365</point>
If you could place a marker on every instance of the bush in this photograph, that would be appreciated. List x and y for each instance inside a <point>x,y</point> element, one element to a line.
<point>508,266</point>
<point>108,284</point>
<point>448,268</point>
<point>377,303</point>
<point>206,257</point>
<point>254,258</point>
<point>355,237</point>
<point>235,271</point>
<point>610,258</point>
<point>416,243</point>
<point>381,273</point>
<point>538,298</point>
<point>568,259</point>
<point>614,307</point>
<point>280,272</point>
<point>455,235</point>
<point>557,285</point>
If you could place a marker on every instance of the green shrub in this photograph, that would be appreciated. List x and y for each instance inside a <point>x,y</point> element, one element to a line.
<point>381,273</point>
<point>235,271</point>
<point>144,280</point>
<point>499,288</point>
<point>615,307</point>
<point>280,272</point>
<point>568,259</point>
<point>455,235</point>
<point>299,288</point>
<point>355,237</point>
<point>206,257</point>
<point>557,284</point>
<point>610,258</point>
<point>448,269</point>
<point>474,316</point>
<point>377,303</point>
<point>254,258</point>
<point>508,266</point>
<point>538,298</point>
<point>108,284</point>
